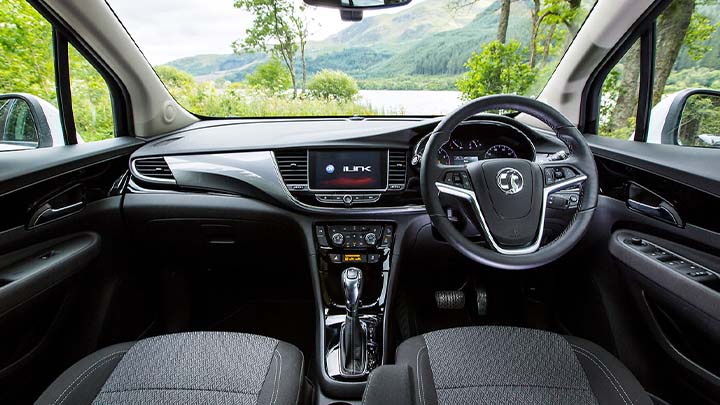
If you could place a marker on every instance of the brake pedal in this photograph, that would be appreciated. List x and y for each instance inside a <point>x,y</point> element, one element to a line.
<point>450,299</point>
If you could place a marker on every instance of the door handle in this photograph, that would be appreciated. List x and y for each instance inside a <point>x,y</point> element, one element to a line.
<point>47,213</point>
<point>664,211</point>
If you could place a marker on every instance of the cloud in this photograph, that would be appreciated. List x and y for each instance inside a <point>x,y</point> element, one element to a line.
<point>166,30</point>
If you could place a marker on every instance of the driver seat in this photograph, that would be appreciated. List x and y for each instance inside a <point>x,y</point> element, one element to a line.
<point>503,365</point>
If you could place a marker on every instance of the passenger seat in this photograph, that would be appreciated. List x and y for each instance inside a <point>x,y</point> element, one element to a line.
<point>197,368</point>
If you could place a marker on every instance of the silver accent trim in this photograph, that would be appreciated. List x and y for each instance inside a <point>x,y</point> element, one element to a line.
<point>469,195</point>
<point>134,172</point>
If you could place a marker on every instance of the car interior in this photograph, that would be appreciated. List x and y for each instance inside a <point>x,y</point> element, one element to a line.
<point>506,251</point>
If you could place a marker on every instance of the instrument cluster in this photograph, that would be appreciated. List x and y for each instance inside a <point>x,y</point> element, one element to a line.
<point>485,140</point>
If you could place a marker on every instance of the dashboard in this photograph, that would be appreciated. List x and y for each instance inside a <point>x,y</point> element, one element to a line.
<point>311,164</point>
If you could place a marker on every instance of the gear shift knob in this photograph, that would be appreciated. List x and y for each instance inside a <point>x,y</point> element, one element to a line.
<point>352,283</point>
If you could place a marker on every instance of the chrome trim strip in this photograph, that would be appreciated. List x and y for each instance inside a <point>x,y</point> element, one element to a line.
<point>134,172</point>
<point>469,195</point>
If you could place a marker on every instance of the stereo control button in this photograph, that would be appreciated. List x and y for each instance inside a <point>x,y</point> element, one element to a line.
<point>371,239</point>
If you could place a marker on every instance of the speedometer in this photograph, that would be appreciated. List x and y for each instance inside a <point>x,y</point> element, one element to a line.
<point>500,151</point>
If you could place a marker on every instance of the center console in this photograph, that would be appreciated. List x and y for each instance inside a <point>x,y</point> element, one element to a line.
<point>354,265</point>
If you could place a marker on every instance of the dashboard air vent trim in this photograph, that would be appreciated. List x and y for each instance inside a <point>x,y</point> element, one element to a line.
<point>397,169</point>
<point>293,167</point>
<point>152,170</point>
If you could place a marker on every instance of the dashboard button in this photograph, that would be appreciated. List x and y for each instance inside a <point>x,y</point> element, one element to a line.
<point>373,258</point>
<point>347,199</point>
<point>338,239</point>
<point>335,257</point>
<point>389,230</point>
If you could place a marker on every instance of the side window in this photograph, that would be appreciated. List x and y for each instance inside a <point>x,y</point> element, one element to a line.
<point>684,101</point>
<point>92,106</point>
<point>29,116</point>
<point>619,97</point>
<point>686,90</point>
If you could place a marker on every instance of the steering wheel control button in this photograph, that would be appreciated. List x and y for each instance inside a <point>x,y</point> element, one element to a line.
<point>557,174</point>
<point>563,200</point>
<point>549,176</point>
<point>458,179</point>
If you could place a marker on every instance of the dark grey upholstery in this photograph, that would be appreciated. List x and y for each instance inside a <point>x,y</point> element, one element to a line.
<point>188,368</point>
<point>506,365</point>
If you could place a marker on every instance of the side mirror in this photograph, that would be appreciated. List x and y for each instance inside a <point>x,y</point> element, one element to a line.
<point>690,117</point>
<point>28,122</point>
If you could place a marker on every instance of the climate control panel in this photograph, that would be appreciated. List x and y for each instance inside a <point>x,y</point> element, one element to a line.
<point>354,236</point>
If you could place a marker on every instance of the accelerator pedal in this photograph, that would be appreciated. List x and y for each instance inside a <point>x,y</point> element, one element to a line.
<point>452,299</point>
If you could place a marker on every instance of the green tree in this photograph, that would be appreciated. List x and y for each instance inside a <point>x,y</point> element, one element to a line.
<point>26,55</point>
<point>498,69</point>
<point>278,29</point>
<point>270,76</point>
<point>333,84</point>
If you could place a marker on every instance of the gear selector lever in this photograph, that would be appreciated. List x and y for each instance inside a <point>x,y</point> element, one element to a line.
<point>353,351</point>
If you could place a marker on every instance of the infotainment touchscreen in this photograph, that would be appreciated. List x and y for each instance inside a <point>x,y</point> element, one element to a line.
<point>348,170</point>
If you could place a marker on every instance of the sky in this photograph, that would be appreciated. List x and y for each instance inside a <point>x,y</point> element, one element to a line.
<point>166,30</point>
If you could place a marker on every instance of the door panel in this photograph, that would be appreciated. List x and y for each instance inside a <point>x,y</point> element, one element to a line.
<point>658,277</point>
<point>62,251</point>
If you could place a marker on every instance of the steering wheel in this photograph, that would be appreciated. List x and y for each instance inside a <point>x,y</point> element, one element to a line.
<point>508,197</point>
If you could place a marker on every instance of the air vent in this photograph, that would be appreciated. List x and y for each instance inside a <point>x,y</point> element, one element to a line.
<point>293,166</point>
<point>397,169</point>
<point>154,170</point>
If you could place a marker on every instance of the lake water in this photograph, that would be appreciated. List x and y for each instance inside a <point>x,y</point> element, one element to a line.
<point>411,102</point>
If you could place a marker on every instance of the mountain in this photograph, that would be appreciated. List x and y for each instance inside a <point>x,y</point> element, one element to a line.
<point>211,67</point>
<point>405,27</point>
<point>428,38</point>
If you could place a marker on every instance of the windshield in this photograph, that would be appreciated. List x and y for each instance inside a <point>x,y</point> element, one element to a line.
<point>256,58</point>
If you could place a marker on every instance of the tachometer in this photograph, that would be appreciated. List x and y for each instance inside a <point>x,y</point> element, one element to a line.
<point>500,151</point>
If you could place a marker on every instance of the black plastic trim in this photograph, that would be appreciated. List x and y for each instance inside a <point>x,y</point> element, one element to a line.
<point>62,86</point>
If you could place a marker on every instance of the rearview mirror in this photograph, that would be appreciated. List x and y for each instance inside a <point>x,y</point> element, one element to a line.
<point>357,4</point>
<point>690,117</point>
<point>352,10</point>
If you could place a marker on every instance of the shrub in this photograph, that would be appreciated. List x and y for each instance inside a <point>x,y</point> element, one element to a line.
<point>271,76</point>
<point>333,84</point>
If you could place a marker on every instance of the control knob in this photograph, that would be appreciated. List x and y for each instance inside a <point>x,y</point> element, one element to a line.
<point>371,239</point>
<point>338,239</point>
